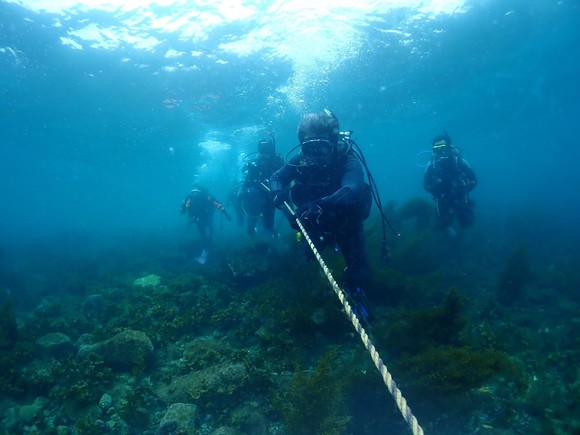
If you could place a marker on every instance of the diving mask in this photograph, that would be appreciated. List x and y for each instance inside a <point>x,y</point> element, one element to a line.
<point>317,148</point>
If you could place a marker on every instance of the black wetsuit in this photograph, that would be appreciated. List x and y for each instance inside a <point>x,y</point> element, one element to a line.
<point>450,180</point>
<point>254,195</point>
<point>200,207</point>
<point>339,189</point>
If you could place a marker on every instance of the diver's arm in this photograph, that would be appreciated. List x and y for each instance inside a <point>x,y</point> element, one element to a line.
<point>352,187</point>
<point>432,182</point>
<point>185,204</point>
<point>280,180</point>
<point>470,180</point>
<point>215,203</point>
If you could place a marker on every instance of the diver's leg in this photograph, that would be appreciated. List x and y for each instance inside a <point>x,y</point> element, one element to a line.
<point>352,244</point>
<point>251,225</point>
<point>444,215</point>
<point>268,218</point>
<point>465,214</point>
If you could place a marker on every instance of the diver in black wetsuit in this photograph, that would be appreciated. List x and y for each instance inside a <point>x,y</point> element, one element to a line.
<point>200,207</point>
<point>254,196</point>
<point>325,183</point>
<point>449,179</point>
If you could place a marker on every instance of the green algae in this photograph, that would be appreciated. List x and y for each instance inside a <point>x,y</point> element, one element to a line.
<point>315,401</point>
<point>516,273</point>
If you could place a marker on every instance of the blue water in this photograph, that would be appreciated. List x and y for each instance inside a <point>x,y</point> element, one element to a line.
<point>104,110</point>
<point>110,112</point>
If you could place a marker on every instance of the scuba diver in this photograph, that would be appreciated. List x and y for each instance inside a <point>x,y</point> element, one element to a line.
<point>254,196</point>
<point>449,179</point>
<point>324,183</point>
<point>200,207</point>
<point>235,203</point>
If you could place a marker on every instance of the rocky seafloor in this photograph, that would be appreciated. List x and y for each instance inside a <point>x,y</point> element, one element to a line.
<point>481,336</point>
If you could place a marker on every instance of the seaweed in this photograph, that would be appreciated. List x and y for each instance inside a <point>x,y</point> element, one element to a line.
<point>449,370</point>
<point>514,277</point>
<point>315,402</point>
<point>8,326</point>
<point>13,382</point>
<point>418,331</point>
<point>79,381</point>
<point>419,209</point>
<point>133,407</point>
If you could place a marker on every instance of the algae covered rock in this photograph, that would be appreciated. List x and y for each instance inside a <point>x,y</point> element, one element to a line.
<point>30,412</point>
<point>55,344</point>
<point>147,281</point>
<point>225,430</point>
<point>124,351</point>
<point>180,418</point>
<point>219,379</point>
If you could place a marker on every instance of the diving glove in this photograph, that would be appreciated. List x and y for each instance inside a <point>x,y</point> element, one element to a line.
<point>310,214</point>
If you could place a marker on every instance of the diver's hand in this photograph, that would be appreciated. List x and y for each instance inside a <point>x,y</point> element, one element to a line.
<point>280,199</point>
<point>293,223</point>
<point>310,214</point>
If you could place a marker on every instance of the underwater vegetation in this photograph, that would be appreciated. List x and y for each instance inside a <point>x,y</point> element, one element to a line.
<point>420,211</point>
<point>80,381</point>
<point>256,342</point>
<point>434,355</point>
<point>413,332</point>
<point>315,400</point>
<point>8,326</point>
<point>513,278</point>
<point>447,370</point>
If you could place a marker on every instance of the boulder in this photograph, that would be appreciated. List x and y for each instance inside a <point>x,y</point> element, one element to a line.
<point>180,418</point>
<point>56,345</point>
<point>124,351</point>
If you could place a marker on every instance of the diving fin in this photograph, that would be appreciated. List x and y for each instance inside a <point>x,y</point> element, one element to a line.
<point>202,258</point>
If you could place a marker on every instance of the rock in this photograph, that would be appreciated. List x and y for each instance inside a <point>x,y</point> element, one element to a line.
<point>106,402</point>
<point>94,304</point>
<point>55,345</point>
<point>10,420</point>
<point>180,418</point>
<point>124,351</point>
<point>225,430</point>
<point>29,413</point>
<point>147,281</point>
<point>250,419</point>
<point>219,379</point>
<point>85,339</point>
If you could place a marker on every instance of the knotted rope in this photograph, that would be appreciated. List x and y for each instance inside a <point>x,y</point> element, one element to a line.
<point>387,378</point>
